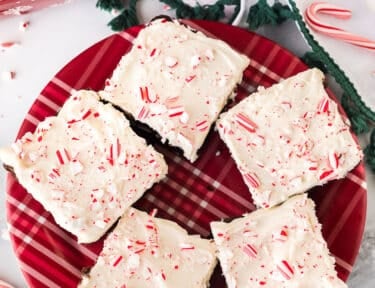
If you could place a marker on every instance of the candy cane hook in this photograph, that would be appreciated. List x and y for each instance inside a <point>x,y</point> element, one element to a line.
<point>315,24</point>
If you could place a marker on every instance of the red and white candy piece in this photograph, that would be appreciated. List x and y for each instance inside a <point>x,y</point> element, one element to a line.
<point>8,75</point>
<point>117,261</point>
<point>146,95</point>
<point>114,152</point>
<point>143,113</point>
<point>334,160</point>
<point>315,24</point>
<point>186,246</point>
<point>176,111</point>
<point>280,236</point>
<point>245,122</point>
<point>250,251</point>
<point>63,156</point>
<point>4,284</point>
<point>24,25</point>
<point>252,180</point>
<point>171,62</point>
<point>8,44</point>
<point>202,125</point>
<point>323,105</point>
<point>285,269</point>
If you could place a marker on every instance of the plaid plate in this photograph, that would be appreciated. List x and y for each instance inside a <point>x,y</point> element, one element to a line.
<point>193,194</point>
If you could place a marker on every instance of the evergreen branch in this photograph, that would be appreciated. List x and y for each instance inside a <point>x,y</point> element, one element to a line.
<point>109,5</point>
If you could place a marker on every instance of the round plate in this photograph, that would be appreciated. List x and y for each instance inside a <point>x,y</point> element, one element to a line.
<point>193,194</point>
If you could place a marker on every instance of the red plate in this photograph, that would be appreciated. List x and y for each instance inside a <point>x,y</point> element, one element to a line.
<point>193,194</point>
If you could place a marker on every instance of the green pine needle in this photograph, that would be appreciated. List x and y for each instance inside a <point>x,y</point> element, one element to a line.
<point>109,5</point>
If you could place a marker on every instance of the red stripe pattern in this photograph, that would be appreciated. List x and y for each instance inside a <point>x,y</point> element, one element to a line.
<point>192,194</point>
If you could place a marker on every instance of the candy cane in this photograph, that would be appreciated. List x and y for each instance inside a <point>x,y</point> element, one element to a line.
<point>3,284</point>
<point>325,8</point>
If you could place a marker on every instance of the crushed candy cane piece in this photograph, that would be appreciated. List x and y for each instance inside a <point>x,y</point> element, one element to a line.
<point>8,75</point>
<point>4,284</point>
<point>24,25</point>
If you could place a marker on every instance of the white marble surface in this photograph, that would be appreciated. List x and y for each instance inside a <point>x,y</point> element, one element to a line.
<point>58,34</point>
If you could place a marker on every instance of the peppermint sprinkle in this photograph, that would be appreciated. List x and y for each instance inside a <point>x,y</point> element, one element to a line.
<point>24,25</point>
<point>190,78</point>
<point>114,152</point>
<point>176,111</point>
<point>250,251</point>
<point>285,269</point>
<point>63,156</point>
<point>252,180</point>
<point>154,52</point>
<point>186,246</point>
<point>323,105</point>
<point>202,125</point>
<point>171,62</point>
<point>245,122</point>
<point>143,113</point>
<point>281,236</point>
<point>117,261</point>
<point>325,174</point>
<point>8,75</point>
<point>333,159</point>
<point>195,60</point>
<point>8,45</point>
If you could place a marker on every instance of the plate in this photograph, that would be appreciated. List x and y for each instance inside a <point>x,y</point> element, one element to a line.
<point>193,195</point>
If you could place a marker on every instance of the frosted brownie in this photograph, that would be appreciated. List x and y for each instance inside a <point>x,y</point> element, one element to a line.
<point>280,246</point>
<point>144,251</point>
<point>288,138</point>
<point>176,81</point>
<point>86,166</point>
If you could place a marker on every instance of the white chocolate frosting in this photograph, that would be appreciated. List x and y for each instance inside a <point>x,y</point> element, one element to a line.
<point>288,138</point>
<point>177,82</point>
<point>278,247</point>
<point>144,251</point>
<point>86,166</point>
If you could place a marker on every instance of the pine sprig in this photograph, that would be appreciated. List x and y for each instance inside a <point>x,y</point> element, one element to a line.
<point>126,19</point>
<point>262,13</point>
<point>128,16</point>
<point>205,12</point>
<point>109,5</point>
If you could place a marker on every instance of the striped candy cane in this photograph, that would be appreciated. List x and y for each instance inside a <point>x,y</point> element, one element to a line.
<point>315,24</point>
<point>3,284</point>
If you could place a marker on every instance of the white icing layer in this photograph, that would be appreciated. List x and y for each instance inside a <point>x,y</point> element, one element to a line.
<point>276,247</point>
<point>86,166</point>
<point>177,82</point>
<point>288,138</point>
<point>144,251</point>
